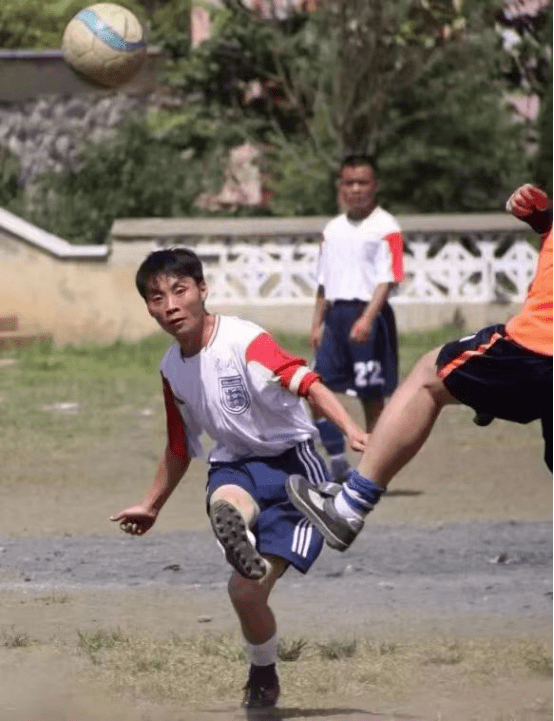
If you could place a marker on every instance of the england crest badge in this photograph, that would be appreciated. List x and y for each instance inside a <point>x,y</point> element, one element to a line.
<point>234,395</point>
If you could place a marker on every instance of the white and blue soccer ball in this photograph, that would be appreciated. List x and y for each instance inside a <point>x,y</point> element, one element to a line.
<point>105,43</point>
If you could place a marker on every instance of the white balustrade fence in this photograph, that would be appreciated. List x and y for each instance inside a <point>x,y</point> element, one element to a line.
<point>468,266</point>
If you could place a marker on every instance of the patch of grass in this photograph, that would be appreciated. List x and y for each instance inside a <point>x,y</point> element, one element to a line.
<point>291,649</point>
<point>539,661</point>
<point>92,642</point>
<point>191,672</point>
<point>337,649</point>
<point>449,655</point>
<point>218,645</point>
<point>11,638</point>
<point>57,394</point>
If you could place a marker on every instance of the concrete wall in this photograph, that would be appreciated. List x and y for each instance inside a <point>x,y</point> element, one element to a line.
<point>78,299</point>
<point>83,294</point>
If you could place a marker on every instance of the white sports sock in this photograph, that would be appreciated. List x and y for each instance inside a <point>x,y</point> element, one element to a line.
<point>263,654</point>
<point>343,508</point>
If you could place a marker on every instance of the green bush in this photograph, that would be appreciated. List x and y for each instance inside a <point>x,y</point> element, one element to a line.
<point>131,175</point>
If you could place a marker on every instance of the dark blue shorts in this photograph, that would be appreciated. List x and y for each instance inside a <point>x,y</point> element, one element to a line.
<point>280,530</point>
<point>371,368</point>
<point>490,373</point>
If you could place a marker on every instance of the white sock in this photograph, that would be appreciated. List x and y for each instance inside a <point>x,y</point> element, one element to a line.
<point>344,509</point>
<point>263,654</point>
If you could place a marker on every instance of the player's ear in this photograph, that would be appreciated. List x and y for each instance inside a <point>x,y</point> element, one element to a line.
<point>202,285</point>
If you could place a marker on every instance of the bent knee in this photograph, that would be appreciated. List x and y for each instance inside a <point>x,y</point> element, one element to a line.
<point>245,591</point>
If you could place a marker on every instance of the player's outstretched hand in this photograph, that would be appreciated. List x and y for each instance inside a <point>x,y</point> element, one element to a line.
<point>357,438</point>
<point>526,200</point>
<point>135,520</point>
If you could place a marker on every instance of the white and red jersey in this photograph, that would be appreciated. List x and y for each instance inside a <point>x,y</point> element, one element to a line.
<point>242,389</point>
<point>358,255</point>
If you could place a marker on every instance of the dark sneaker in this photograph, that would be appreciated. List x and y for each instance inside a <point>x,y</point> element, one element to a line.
<point>231,531</point>
<point>338,531</point>
<point>257,695</point>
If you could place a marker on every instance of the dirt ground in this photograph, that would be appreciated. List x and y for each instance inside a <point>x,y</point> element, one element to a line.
<point>460,547</point>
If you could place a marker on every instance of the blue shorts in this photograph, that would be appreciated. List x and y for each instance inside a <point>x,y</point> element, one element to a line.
<point>490,373</point>
<point>280,530</point>
<point>371,368</point>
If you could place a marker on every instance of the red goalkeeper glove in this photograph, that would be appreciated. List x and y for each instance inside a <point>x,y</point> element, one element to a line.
<point>532,205</point>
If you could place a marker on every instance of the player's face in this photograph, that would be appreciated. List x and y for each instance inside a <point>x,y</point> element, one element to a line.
<point>357,189</point>
<point>177,303</point>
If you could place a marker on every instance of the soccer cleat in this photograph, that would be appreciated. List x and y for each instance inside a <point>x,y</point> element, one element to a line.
<point>258,695</point>
<point>338,531</point>
<point>231,531</point>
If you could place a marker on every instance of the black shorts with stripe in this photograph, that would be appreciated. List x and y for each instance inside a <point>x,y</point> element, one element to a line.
<point>495,376</point>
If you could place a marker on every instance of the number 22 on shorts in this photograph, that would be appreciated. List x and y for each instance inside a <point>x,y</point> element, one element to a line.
<point>368,373</point>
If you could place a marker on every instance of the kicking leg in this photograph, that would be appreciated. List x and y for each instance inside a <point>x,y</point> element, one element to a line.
<point>233,512</point>
<point>400,432</point>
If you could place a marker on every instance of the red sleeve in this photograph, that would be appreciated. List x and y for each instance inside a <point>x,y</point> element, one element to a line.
<point>292,371</point>
<point>396,245</point>
<point>176,434</point>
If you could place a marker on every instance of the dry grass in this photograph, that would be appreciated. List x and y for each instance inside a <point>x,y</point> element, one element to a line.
<point>196,671</point>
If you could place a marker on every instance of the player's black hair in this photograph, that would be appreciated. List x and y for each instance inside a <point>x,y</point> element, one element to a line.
<point>359,159</point>
<point>179,262</point>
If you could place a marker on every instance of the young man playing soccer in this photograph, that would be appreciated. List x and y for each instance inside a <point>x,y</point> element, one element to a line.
<point>500,371</point>
<point>229,378</point>
<point>360,262</point>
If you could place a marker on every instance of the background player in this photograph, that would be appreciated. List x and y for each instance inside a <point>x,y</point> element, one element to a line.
<point>500,371</point>
<point>228,378</point>
<point>360,262</point>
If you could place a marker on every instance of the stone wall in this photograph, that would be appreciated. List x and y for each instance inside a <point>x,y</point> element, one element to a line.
<point>47,133</point>
<point>46,110</point>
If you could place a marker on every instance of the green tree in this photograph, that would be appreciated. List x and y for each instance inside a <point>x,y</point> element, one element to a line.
<point>131,175</point>
<point>528,69</point>
<point>391,78</point>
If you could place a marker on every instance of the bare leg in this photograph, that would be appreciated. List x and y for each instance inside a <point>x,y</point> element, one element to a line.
<point>233,512</point>
<point>240,499</point>
<point>406,422</point>
<point>249,599</point>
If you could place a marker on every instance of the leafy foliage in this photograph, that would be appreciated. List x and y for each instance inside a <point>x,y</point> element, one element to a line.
<point>543,159</point>
<point>438,154</point>
<point>132,175</point>
<point>9,173</point>
<point>362,77</point>
<point>420,83</point>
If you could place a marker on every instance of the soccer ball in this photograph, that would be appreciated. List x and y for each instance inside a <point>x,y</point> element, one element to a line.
<point>105,43</point>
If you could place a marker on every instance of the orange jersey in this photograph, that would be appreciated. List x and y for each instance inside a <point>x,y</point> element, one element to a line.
<point>532,328</point>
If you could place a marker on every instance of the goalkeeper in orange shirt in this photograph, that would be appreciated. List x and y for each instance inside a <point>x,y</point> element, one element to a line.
<point>503,371</point>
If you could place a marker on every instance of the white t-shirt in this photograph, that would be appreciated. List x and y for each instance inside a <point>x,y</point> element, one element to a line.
<point>242,389</point>
<point>356,256</point>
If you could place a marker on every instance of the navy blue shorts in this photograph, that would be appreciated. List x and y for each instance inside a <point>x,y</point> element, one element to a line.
<point>490,373</point>
<point>280,530</point>
<point>371,368</point>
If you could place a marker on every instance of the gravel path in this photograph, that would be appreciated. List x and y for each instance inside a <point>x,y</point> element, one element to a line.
<point>456,570</point>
